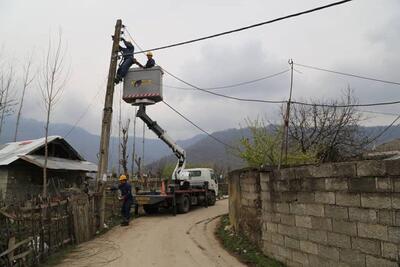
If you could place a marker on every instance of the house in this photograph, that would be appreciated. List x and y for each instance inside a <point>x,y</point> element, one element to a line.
<point>21,168</point>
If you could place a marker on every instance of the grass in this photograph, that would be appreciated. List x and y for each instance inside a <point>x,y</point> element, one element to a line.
<point>241,247</point>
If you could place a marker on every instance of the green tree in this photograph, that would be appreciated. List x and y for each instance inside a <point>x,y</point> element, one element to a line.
<point>264,147</point>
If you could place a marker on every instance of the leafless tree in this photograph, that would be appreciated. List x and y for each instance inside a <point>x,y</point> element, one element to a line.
<point>124,148</point>
<point>52,81</point>
<point>330,131</point>
<point>28,78</point>
<point>7,82</point>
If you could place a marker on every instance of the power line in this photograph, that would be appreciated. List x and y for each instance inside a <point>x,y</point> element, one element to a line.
<point>348,105</point>
<point>133,40</point>
<point>247,27</point>
<point>85,112</point>
<point>217,87</point>
<point>284,101</point>
<point>379,113</point>
<point>226,96</point>
<point>383,131</point>
<point>231,85</point>
<point>348,74</point>
<point>198,127</point>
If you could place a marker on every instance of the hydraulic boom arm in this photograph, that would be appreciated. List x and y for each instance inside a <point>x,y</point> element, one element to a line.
<point>178,151</point>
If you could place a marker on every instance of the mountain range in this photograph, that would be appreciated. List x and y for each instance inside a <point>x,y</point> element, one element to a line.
<point>200,149</point>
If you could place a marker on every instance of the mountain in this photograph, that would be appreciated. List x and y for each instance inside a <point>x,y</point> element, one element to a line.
<point>87,144</point>
<point>209,152</point>
<point>200,149</point>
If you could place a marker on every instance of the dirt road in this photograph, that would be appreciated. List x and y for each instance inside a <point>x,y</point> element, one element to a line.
<point>159,240</point>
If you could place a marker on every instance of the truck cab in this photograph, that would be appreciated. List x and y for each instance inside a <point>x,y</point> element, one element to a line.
<point>201,175</point>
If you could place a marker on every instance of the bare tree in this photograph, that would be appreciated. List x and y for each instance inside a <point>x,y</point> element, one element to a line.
<point>6,84</point>
<point>52,81</point>
<point>124,148</point>
<point>331,131</point>
<point>28,78</point>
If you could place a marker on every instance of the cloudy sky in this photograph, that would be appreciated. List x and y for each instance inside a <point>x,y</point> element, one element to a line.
<point>360,37</point>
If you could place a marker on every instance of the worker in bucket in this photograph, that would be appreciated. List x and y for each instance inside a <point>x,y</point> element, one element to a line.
<point>127,60</point>
<point>126,199</point>
<point>150,61</point>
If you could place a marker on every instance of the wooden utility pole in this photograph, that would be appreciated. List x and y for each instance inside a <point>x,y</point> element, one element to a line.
<point>106,122</point>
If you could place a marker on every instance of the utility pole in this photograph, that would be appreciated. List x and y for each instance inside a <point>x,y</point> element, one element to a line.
<point>119,134</point>
<point>285,133</point>
<point>106,121</point>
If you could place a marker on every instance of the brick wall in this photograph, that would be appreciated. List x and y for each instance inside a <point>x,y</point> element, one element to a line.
<point>342,214</point>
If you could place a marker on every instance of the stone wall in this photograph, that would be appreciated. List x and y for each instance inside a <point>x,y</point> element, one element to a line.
<point>342,214</point>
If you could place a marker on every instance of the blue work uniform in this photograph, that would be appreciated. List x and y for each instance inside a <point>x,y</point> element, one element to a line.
<point>127,60</point>
<point>150,63</point>
<point>127,200</point>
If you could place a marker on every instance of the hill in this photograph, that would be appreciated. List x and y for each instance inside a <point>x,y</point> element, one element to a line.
<point>200,149</point>
<point>87,144</point>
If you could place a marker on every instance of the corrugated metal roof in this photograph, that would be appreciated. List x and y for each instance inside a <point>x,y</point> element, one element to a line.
<point>60,163</point>
<point>11,151</point>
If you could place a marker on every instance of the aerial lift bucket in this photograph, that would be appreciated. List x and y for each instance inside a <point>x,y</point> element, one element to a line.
<point>143,86</point>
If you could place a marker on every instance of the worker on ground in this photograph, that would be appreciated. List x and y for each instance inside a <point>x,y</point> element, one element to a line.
<point>126,198</point>
<point>150,61</point>
<point>127,60</point>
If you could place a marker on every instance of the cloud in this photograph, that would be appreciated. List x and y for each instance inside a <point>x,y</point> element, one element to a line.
<point>360,37</point>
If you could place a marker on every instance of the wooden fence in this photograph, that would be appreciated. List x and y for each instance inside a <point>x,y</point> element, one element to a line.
<point>30,233</point>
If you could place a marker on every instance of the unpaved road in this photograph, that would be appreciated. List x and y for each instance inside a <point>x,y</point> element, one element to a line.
<point>159,240</point>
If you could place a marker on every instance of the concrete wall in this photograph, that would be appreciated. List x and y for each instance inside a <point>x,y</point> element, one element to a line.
<point>342,214</point>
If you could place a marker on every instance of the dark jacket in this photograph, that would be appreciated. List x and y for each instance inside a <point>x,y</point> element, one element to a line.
<point>126,191</point>
<point>128,50</point>
<point>150,63</point>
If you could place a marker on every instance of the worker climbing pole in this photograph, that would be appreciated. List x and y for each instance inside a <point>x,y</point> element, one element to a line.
<point>106,122</point>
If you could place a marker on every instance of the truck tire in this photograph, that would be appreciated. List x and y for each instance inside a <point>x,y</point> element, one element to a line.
<point>150,209</point>
<point>184,205</point>
<point>211,198</point>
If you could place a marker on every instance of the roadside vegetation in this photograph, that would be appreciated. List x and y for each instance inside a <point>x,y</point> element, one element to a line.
<point>326,131</point>
<point>241,247</point>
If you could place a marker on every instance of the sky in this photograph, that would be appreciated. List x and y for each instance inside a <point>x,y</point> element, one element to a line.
<point>360,37</point>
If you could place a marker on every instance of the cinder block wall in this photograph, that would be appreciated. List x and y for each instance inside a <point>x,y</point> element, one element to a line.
<point>342,214</point>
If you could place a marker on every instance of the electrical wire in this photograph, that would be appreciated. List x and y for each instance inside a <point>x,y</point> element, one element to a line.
<point>198,127</point>
<point>231,85</point>
<point>284,101</point>
<point>225,96</point>
<point>217,87</point>
<point>348,105</point>
<point>379,113</point>
<point>347,74</point>
<point>85,112</point>
<point>247,27</point>
<point>383,131</point>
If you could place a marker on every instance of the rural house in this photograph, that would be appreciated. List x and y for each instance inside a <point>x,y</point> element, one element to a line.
<point>21,168</point>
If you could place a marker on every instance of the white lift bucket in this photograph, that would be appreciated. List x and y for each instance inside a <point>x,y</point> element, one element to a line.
<point>143,86</point>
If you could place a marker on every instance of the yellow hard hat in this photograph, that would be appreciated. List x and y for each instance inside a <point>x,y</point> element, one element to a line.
<point>149,54</point>
<point>122,177</point>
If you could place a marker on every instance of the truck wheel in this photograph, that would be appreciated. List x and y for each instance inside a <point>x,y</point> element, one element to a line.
<point>184,205</point>
<point>211,198</point>
<point>150,209</point>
